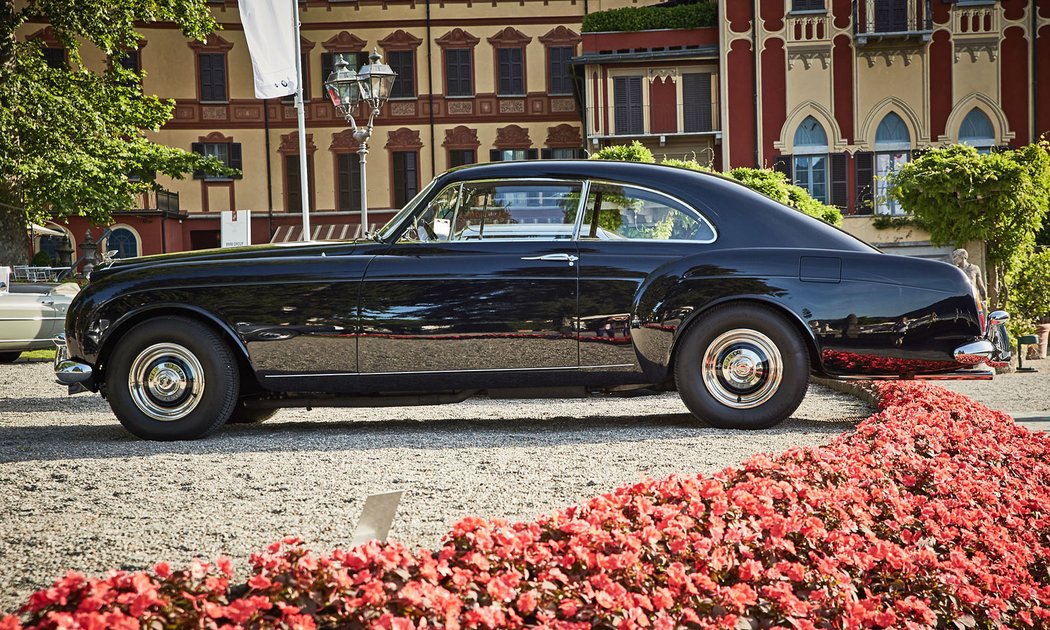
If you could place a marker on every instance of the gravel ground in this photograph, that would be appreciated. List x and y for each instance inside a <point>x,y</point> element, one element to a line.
<point>1012,392</point>
<point>80,493</point>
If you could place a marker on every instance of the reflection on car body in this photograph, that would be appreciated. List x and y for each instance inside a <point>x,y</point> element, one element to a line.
<point>587,275</point>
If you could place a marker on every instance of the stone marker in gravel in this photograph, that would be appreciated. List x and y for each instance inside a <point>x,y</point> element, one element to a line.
<point>80,493</point>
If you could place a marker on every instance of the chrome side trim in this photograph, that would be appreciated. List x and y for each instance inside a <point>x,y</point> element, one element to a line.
<point>31,319</point>
<point>553,369</point>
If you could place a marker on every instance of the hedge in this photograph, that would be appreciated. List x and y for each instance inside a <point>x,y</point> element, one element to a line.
<point>698,15</point>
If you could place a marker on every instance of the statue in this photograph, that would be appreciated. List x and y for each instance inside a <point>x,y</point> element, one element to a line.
<point>962,260</point>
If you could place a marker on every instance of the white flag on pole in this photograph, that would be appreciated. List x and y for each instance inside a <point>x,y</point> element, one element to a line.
<point>271,33</point>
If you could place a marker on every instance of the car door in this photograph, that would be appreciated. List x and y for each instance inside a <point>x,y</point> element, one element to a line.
<point>28,320</point>
<point>627,232</point>
<point>482,283</point>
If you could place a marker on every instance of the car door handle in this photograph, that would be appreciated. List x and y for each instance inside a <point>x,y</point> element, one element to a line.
<point>569,258</point>
<point>47,302</point>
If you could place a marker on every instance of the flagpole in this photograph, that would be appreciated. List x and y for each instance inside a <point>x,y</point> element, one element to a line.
<point>304,180</point>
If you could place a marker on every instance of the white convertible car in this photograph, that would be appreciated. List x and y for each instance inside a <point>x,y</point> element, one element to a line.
<point>31,315</point>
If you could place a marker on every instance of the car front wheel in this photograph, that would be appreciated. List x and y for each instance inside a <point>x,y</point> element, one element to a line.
<point>172,378</point>
<point>742,367</point>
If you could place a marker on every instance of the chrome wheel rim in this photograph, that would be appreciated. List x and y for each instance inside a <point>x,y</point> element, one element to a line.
<point>166,382</point>
<point>742,368</point>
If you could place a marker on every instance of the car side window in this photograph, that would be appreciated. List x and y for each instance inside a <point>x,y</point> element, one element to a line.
<point>434,222</point>
<point>491,210</point>
<point>616,212</point>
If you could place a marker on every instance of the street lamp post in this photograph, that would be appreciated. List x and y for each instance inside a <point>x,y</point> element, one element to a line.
<point>346,88</point>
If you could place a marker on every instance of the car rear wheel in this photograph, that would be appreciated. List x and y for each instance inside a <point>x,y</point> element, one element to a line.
<point>172,378</point>
<point>742,367</point>
<point>9,357</point>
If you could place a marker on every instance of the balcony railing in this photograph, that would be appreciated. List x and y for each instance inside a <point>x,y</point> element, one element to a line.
<point>876,20</point>
<point>167,201</point>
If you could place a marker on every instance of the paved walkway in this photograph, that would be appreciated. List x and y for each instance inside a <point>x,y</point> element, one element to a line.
<point>1023,395</point>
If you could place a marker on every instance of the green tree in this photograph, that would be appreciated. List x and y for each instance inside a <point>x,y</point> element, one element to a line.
<point>960,195</point>
<point>70,137</point>
<point>1030,289</point>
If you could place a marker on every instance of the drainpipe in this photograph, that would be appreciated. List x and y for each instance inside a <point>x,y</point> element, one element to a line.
<point>430,95</point>
<point>269,177</point>
<point>1034,39</point>
<point>754,72</point>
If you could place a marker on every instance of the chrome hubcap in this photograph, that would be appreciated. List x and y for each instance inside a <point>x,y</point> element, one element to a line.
<point>166,381</point>
<point>742,368</point>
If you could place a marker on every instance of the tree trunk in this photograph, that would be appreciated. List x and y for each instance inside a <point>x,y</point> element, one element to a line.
<point>14,244</point>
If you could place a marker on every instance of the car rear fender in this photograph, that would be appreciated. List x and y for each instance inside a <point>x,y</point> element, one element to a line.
<point>677,294</point>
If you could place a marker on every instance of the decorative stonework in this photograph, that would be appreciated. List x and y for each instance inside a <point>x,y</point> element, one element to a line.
<point>461,137</point>
<point>185,112</point>
<point>215,137</point>
<point>247,113</point>
<point>888,55</point>
<point>400,40</point>
<point>457,38</point>
<point>344,42</point>
<point>511,106</point>
<point>404,139</point>
<point>513,137</point>
<point>213,44</point>
<point>562,105</point>
<point>214,112</point>
<point>560,36</point>
<point>407,108</point>
<point>808,57</point>
<point>343,142</point>
<point>509,37</point>
<point>976,48</point>
<point>290,144</point>
<point>663,74</point>
<point>564,136</point>
<point>461,107</point>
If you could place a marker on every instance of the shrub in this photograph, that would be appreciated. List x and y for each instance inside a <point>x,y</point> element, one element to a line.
<point>935,512</point>
<point>1030,288</point>
<point>696,15</point>
<point>634,152</point>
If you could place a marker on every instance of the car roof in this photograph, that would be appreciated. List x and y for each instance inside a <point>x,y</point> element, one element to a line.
<point>742,217</point>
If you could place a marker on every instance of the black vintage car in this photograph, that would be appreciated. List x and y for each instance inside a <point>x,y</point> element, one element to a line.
<point>551,277</point>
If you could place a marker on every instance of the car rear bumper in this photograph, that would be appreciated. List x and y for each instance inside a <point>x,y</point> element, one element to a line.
<point>76,375</point>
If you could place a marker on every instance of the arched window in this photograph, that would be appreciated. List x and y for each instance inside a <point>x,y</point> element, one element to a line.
<point>976,130</point>
<point>124,241</point>
<point>810,166</point>
<point>892,150</point>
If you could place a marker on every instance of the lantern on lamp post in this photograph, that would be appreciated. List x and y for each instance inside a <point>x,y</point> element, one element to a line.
<point>346,88</point>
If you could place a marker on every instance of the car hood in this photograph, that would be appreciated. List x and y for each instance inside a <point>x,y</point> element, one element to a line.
<point>284,250</point>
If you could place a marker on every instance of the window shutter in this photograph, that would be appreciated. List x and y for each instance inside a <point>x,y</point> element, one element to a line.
<point>696,101</point>
<point>782,164</point>
<point>198,147</point>
<point>494,155</point>
<point>326,69</point>
<point>627,105</point>
<point>235,159</point>
<point>547,154</point>
<point>839,181</point>
<point>532,154</point>
<point>864,165</point>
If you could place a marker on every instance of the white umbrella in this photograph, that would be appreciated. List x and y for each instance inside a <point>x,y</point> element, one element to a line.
<point>39,230</point>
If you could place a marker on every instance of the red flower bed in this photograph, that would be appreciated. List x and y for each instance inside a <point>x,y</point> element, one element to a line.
<point>934,512</point>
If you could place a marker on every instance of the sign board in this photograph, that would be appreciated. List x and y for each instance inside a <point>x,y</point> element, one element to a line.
<point>236,228</point>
